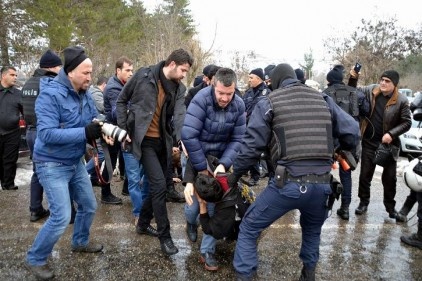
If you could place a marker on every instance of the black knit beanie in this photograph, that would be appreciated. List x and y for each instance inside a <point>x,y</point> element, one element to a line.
<point>335,75</point>
<point>258,72</point>
<point>300,75</point>
<point>280,73</point>
<point>392,75</point>
<point>73,56</point>
<point>268,70</point>
<point>50,59</point>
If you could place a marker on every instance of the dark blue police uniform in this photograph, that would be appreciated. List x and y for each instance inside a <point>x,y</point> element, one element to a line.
<point>305,180</point>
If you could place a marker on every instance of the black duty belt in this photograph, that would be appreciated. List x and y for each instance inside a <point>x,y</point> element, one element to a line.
<point>32,128</point>
<point>311,178</point>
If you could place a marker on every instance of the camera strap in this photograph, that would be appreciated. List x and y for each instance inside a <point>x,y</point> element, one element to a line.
<point>107,161</point>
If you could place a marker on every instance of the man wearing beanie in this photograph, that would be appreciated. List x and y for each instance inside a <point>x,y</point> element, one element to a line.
<point>207,74</point>
<point>50,65</point>
<point>354,103</point>
<point>64,112</point>
<point>300,75</point>
<point>303,159</point>
<point>257,89</point>
<point>267,72</point>
<point>388,119</point>
<point>153,122</point>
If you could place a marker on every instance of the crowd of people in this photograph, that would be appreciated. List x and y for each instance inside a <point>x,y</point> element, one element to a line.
<point>220,135</point>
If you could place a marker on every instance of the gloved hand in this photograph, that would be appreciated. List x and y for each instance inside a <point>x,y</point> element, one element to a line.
<point>232,180</point>
<point>92,131</point>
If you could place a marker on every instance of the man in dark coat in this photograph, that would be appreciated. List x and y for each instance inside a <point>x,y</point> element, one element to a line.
<point>10,112</point>
<point>156,109</point>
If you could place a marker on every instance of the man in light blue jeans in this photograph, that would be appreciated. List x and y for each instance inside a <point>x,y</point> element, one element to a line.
<point>65,113</point>
<point>137,191</point>
<point>214,126</point>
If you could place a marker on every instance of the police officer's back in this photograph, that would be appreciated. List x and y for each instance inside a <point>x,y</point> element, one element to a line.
<point>298,124</point>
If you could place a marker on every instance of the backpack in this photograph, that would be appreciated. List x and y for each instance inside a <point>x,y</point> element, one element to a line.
<point>345,97</point>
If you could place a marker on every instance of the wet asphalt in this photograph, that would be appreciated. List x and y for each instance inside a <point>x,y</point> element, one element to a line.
<point>366,247</point>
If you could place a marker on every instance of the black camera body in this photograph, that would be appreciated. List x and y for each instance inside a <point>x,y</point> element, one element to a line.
<point>111,130</point>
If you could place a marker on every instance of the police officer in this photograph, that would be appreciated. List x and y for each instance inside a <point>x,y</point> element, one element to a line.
<point>50,65</point>
<point>298,124</point>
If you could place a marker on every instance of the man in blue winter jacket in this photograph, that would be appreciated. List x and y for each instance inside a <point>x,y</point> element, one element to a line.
<point>298,124</point>
<point>65,113</point>
<point>214,126</point>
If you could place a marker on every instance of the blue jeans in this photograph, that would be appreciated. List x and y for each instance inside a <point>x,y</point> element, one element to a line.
<point>135,174</point>
<point>192,215</point>
<point>58,181</point>
<point>36,190</point>
<point>271,204</point>
<point>346,181</point>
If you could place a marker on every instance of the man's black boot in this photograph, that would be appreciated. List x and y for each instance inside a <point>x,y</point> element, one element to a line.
<point>343,212</point>
<point>361,209</point>
<point>174,196</point>
<point>308,274</point>
<point>192,231</point>
<point>415,239</point>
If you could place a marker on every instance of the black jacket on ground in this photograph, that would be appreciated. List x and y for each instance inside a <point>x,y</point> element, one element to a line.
<point>227,216</point>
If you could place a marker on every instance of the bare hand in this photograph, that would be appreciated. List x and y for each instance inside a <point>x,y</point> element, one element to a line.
<point>386,138</point>
<point>220,169</point>
<point>189,193</point>
<point>109,140</point>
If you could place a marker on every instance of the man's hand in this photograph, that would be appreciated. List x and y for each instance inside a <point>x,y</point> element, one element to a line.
<point>92,131</point>
<point>220,169</point>
<point>386,138</point>
<point>109,140</point>
<point>189,193</point>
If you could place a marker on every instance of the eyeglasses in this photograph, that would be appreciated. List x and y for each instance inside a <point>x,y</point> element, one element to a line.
<point>385,80</point>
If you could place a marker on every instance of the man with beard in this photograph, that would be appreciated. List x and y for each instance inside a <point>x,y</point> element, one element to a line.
<point>65,113</point>
<point>156,109</point>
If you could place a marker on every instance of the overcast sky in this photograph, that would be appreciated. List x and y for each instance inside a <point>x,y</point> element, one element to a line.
<point>283,31</point>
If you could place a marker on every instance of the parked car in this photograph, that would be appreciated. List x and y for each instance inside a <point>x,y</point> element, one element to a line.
<point>411,140</point>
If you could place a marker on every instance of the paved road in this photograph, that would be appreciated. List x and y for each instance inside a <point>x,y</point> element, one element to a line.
<point>365,248</point>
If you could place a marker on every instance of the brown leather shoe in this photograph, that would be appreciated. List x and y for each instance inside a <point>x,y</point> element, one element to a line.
<point>90,248</point>
<point>42,272</point>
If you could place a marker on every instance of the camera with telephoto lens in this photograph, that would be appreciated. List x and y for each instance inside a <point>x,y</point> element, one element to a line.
<point>111,130</point>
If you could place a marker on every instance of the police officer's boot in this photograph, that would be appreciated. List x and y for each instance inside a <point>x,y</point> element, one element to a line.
<point>415,239</point>
<point>343,211</point>
<point>308,274</point>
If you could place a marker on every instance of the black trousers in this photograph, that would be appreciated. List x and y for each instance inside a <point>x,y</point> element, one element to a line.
<point>154,160</point>
<point>114,151</point>
<point>388,178</point>
<point>9,154</point>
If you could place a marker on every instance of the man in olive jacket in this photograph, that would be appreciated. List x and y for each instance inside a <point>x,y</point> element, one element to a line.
<point>150,107</point>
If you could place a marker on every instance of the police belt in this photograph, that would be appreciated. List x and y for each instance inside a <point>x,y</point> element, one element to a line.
<point>32,127</point>
<point>311,178</point>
